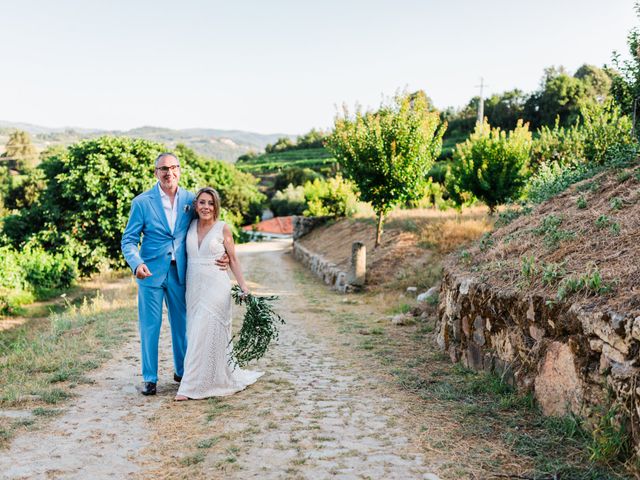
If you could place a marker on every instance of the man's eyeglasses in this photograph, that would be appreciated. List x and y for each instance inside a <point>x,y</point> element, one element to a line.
<point>173,168</point>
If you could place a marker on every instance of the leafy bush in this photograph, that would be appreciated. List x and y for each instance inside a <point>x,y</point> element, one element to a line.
<point>492,165</point>
<point>553,178</point>
<point>289,201</point>
<point>332,197</point>
<point>32,274</point>
<point>561,145</point>
<point>604,126</point>
<point>88,188</point>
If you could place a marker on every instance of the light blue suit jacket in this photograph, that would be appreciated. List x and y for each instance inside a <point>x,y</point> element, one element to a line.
<point>147,218</point>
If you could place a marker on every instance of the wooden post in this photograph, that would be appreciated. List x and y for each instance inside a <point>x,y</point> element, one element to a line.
<point>358,270</point>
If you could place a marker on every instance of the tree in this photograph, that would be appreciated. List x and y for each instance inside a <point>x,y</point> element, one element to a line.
<point>625,87</point>
<point>505,109</point>
<point>492,165</point>
<point>561,95</point>
<point>388,153</point>
<point>20,148</point>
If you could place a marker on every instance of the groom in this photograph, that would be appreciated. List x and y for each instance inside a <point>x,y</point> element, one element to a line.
<point>162,215</point>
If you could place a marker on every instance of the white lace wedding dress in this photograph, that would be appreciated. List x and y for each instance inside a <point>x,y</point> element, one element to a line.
<point>207,371</point>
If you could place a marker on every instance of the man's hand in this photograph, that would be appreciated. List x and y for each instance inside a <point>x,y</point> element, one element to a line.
<point>223,262</point>
<point>142,272</point>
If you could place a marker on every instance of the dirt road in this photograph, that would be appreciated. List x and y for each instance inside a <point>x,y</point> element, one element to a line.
<point>319,412</point>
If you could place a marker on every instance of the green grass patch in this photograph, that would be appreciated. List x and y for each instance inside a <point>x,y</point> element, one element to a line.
<point>41,362</point>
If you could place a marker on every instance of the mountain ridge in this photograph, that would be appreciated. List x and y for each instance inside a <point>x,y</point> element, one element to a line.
<point>220,144</point>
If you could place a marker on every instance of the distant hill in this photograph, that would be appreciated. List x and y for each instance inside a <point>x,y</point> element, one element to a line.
<point>225,145</point>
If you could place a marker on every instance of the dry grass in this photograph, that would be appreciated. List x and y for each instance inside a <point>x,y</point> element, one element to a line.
<point>594,225</point>
<point>412,244</point>
<point>41,366</point>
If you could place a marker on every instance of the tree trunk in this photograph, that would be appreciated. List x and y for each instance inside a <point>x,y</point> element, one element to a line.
<point>379,228</point>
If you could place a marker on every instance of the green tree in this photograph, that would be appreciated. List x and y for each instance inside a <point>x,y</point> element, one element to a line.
<point>86,200</point>
<point>625,86</point>
<point>561,95</point>
<point>492,165</point>
<point>388,153</point>
<point>20,149</point>
<point>503,110</point>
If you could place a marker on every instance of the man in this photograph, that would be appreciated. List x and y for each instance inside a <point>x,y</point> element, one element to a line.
<point>162,215</point>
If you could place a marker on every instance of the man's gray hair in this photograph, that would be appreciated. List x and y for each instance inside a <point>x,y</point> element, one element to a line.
<point>165,154</point>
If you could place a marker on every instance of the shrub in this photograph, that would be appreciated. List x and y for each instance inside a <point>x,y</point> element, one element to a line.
<point>289,201</point>
<point>604,127</point>
<point>492,165</point>
<point>32,274</point>
<point>332,197</point>
<point>560,145</point>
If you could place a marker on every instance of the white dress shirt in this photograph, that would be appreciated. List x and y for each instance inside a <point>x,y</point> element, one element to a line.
<point>170,212</point>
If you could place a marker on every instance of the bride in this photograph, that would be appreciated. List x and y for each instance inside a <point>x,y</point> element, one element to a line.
<point>207,370</point>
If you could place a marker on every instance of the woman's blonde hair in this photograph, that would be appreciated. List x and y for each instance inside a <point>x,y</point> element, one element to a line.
<point>216,201</point>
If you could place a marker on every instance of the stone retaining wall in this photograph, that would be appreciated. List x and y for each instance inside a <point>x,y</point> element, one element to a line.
<point>323,268</point>
<point>569,357</point>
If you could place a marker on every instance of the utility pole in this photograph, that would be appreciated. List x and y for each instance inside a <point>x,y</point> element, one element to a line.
<point>480,118</point>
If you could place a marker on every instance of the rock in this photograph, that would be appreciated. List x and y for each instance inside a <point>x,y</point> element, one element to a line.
<point>465,285</point>
<point>399,319</point>
<point>624,371</point>
<point>596,344</point>
<point>478,331</point>
<point>536,332</point>
<point>428,296</point>
<point>604,365</point>
<point>558,387</point>
<point>613,353</point>
<point>412,291</point>
<point>635,329</point>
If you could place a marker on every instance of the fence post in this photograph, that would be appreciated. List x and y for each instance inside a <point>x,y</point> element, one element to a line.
<point>358,270</point>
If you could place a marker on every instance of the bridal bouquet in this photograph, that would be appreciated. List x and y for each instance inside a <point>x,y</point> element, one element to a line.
<point>259,328</point>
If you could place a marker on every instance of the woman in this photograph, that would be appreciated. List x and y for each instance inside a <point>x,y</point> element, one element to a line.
<point>207,369</point>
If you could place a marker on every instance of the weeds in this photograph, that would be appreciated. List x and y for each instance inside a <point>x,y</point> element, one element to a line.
<point>581,203</point>
<point>552,273</point>
<point>486,241</point>
<point>549,229</point>
<point>528,269</point>
<point>603,221</point>
<point>509,215</point>
<point>610,440</point>
<point>624,176</point>
<point>615,203</point>
<point>591,282</point>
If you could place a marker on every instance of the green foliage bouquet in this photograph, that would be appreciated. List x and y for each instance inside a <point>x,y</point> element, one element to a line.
<point>259,328</point>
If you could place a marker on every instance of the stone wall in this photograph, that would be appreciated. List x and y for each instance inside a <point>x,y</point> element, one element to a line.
<point>323,268</point>
<point>569,357</point>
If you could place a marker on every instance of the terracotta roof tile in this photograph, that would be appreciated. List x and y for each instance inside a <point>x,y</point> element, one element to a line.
<point>279,225</point>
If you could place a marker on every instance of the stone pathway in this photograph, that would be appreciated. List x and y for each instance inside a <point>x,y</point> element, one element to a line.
<point>315,414</point>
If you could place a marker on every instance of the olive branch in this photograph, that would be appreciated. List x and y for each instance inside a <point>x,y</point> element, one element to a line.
<point>259,328</point>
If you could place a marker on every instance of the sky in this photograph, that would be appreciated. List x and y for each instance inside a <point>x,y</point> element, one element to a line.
<point>281,66</point>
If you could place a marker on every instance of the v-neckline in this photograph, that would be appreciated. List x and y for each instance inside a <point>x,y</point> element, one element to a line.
<point>201,242</point>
